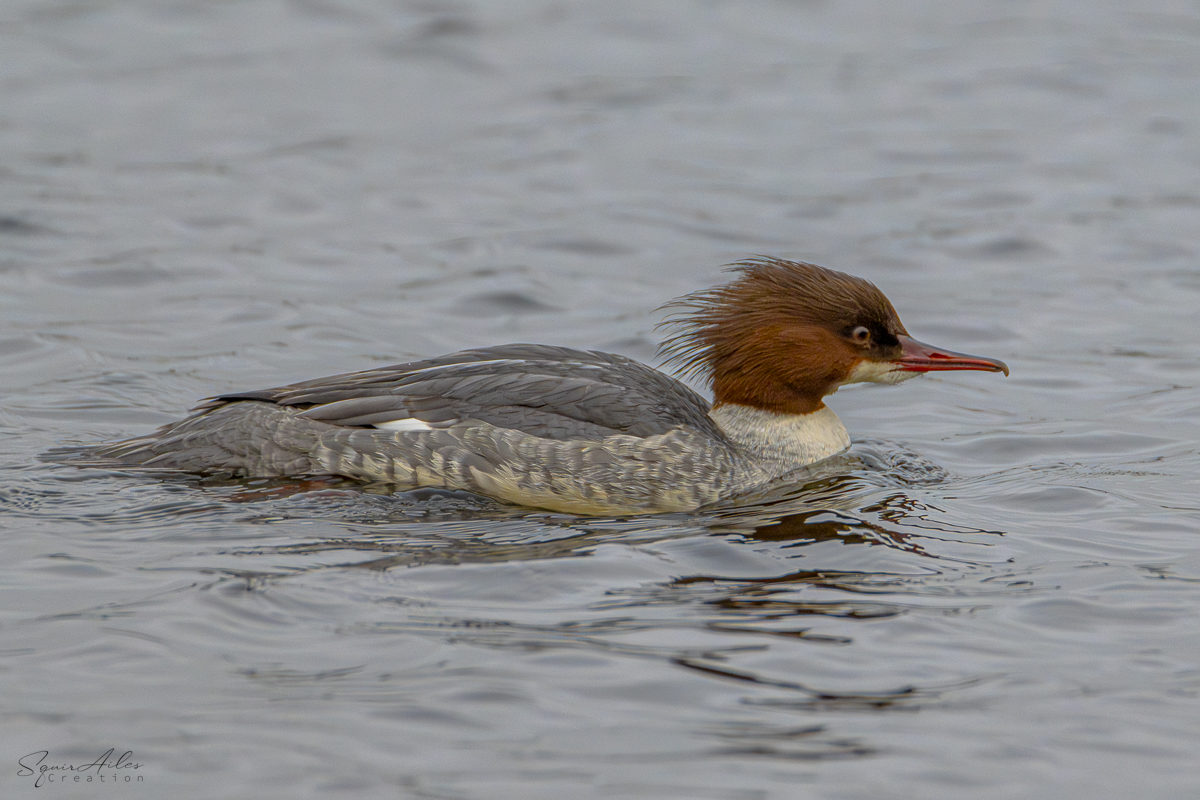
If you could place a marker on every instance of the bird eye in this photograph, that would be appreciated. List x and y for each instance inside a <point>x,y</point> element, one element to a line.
<point>861,335</point>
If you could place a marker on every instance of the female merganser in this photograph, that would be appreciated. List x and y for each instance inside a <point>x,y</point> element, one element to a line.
<point>583,432</point>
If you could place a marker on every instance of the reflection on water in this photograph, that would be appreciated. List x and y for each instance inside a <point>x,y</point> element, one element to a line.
<point>849,503</point>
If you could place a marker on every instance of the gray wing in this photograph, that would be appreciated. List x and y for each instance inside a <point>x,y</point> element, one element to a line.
<point>551,392</point>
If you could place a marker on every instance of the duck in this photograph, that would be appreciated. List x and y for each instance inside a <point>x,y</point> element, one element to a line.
<point>582,431</point>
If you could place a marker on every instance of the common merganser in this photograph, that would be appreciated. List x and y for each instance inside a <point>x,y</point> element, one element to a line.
<point>579,431</point>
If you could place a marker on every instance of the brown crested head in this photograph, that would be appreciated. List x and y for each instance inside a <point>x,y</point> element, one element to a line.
<point>782,334</point>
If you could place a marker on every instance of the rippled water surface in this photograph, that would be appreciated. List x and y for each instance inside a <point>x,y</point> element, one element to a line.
<point>995,594</point>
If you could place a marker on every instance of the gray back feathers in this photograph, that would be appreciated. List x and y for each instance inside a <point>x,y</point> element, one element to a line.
<point>550,392</point>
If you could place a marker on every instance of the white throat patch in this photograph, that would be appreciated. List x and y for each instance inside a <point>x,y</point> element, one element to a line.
<point>878,372</point>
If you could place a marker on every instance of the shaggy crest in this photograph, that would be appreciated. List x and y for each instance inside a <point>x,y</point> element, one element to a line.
<point>768,292</point>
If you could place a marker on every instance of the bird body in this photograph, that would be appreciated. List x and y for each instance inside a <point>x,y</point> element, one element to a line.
<point>582,431</point>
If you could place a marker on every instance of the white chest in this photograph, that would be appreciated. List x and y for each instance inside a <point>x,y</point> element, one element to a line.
<point>787,441</point>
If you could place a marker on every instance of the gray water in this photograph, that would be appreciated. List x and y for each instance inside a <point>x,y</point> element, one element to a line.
<point>994,596</point>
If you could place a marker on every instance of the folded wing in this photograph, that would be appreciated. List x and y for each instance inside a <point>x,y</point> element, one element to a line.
<point>549,392</point>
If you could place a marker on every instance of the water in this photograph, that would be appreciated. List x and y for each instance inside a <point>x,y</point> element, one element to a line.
<point>993,596</point>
